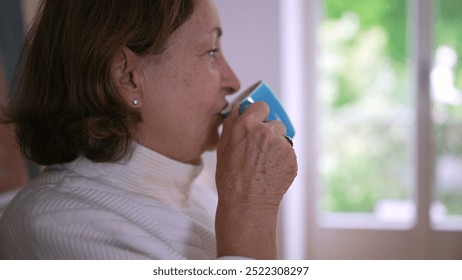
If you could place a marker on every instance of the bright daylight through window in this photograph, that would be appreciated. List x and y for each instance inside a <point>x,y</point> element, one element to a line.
<point>367,129</point>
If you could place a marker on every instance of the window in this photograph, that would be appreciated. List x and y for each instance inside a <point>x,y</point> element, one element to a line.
<point>380,158</point>
<point>366,115</point>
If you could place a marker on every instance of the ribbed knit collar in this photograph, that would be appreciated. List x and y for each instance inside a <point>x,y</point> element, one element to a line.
<point>147,173</point>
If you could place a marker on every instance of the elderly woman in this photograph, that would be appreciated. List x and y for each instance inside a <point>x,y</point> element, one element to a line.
<point>119,99</point>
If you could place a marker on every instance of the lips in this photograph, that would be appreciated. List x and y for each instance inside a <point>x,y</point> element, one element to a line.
<point>225,110</point>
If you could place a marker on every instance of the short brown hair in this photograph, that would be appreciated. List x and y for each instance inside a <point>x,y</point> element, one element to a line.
<point>64,103</point>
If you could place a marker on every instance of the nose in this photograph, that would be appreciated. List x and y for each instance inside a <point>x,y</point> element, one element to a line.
<point>230,81</point>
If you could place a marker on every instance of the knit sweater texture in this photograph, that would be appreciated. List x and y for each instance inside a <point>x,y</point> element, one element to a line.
<point>145,207</point>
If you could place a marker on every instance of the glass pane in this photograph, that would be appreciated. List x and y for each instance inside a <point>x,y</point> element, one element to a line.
<point>366,112</point>
<point>446,81</point>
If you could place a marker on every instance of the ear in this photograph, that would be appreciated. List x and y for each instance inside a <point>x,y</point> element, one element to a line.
<point>126,76</point>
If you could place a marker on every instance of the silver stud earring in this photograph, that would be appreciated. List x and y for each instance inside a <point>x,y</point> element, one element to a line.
<point>136,101</point>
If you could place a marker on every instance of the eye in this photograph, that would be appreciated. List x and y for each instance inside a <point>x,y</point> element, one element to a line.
<point>213,52</point>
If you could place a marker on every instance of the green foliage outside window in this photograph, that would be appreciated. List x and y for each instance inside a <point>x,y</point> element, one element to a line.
<point>367,133</point>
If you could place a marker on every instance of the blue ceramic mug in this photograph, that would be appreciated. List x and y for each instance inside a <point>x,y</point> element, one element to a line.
<point>260,91</point>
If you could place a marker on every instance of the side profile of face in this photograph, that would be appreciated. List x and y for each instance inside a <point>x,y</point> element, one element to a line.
<point>183,91</point>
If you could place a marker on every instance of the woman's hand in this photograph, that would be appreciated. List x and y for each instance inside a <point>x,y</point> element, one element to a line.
<point>255,167</point>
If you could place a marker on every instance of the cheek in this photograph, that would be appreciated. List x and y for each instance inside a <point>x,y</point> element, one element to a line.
<point>206,89</point>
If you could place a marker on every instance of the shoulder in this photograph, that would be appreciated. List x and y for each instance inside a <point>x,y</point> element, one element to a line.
<point>61,215</point>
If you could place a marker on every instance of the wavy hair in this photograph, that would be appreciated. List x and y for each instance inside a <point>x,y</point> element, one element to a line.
<point>64,104</point>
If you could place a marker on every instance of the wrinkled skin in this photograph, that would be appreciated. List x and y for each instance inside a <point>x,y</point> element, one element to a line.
<point>255,167</point>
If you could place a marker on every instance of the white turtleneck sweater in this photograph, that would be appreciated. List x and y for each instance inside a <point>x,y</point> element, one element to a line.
<point>142,208</point>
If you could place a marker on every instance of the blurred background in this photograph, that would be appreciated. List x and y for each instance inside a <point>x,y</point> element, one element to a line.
<point>374,91</point>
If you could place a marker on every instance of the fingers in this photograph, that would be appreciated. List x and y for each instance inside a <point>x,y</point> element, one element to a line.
<point>234,114</point>
<point>255,162</point>
<point>289,140</point>
<point>231,118</point>
<point>278,127</point>
<point>261,110</point>
<point>255,113</point>
<point>258,111</point>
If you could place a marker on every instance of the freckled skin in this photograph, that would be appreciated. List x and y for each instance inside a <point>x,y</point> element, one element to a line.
<point>184,91</point>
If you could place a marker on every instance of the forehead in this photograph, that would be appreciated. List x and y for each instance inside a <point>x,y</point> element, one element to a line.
<point>202,24</point>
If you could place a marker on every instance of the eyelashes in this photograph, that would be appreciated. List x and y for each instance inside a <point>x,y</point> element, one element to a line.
<point>213,52</point>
